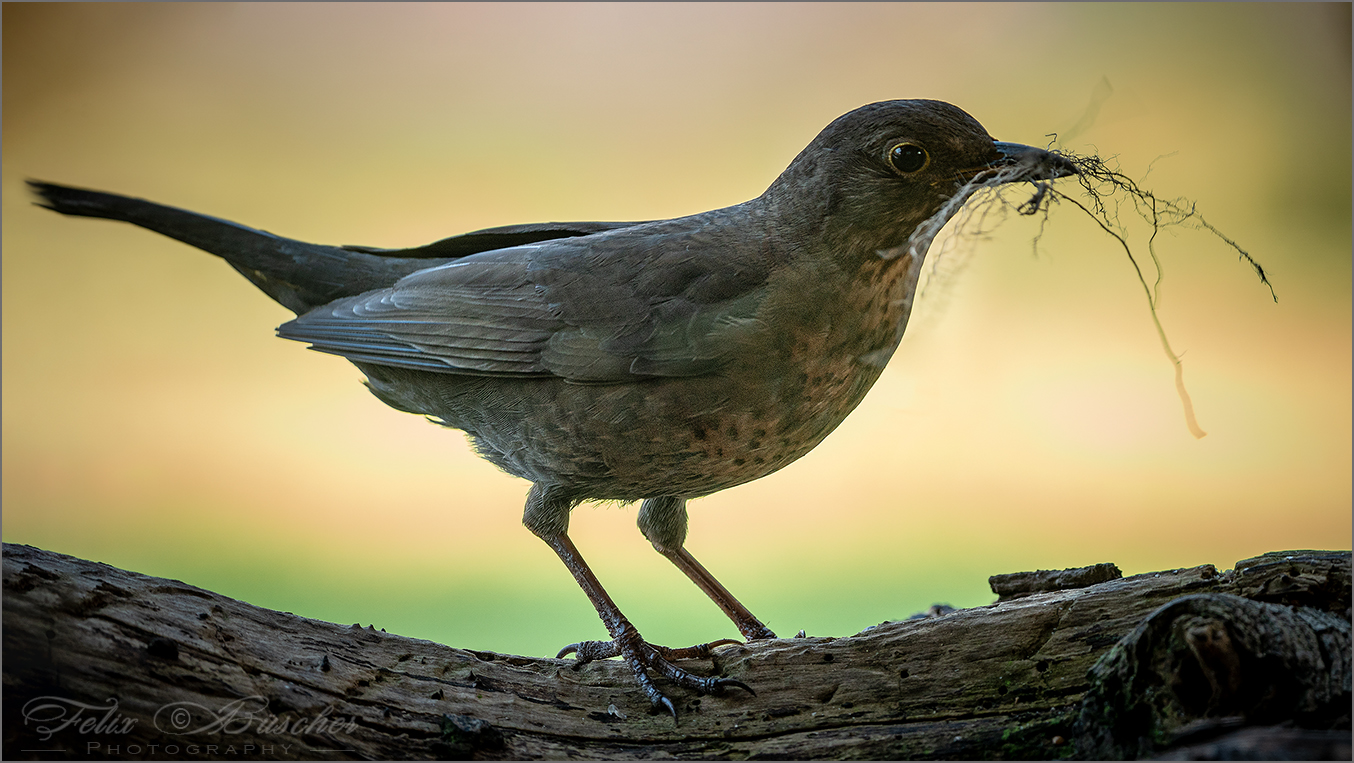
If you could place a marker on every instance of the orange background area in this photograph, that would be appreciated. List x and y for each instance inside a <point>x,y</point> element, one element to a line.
<point>1029,419</point>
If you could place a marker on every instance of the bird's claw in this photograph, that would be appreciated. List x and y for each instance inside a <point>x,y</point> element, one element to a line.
<point>687,680</point>
<point>643,656</point>
<point>588,651</point>
<point>735,682</point>
<point>663,704</point>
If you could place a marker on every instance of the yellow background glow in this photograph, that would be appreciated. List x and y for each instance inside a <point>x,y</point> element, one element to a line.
<point>1029,419</point>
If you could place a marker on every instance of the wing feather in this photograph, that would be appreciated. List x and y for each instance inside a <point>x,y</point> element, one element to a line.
<point>652,300</point>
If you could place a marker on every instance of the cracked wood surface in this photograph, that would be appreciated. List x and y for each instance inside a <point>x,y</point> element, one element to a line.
<point>1003,680</point>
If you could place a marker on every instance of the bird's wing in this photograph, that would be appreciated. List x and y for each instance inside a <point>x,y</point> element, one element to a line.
<point>610,308</point>
<point>490,239</point>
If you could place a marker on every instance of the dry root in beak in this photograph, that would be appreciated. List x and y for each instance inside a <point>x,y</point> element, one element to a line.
<point>1103,194</point>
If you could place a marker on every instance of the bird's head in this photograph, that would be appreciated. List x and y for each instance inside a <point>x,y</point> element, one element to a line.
<point>877,173</point>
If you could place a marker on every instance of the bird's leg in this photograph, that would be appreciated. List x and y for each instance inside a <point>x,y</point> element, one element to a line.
<point>663,522</point>
<point>747,623</point>
<point>547,516</point>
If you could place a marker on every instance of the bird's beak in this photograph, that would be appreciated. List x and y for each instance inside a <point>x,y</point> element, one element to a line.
<point>1032,163</point>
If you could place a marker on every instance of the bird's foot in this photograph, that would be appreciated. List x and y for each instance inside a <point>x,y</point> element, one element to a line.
<point>588,651</point>
<point>643,656</point>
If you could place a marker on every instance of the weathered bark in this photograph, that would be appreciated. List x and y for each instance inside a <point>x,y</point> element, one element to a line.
<point>144,664</point>
<point>1206,658</point>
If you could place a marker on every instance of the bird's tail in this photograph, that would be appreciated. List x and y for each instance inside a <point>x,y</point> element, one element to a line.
<point>298,275</point>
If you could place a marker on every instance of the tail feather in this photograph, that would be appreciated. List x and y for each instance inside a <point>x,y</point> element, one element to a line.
<point>298,275</point>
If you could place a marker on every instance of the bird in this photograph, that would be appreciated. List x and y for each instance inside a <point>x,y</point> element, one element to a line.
<point>655,361</point>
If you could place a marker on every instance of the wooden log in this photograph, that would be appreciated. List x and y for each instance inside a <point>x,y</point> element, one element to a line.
<point>104,663</point>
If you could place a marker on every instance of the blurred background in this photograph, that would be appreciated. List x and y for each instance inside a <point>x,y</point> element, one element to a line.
<point>1028,421</point>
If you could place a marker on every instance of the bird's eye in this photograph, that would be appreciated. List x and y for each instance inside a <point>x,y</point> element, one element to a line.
<point>908,158</point>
